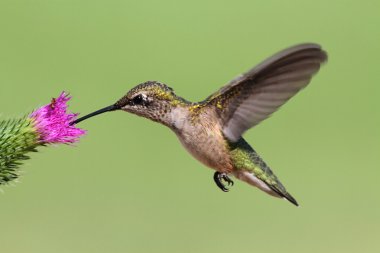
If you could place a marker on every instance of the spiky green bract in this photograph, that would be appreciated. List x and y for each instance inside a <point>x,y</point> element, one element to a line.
<point>17,137</point>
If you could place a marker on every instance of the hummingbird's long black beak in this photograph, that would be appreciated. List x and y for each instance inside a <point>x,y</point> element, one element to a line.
<point>105,109</point>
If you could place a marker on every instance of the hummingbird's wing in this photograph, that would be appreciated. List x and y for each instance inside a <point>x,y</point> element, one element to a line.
<point>255,95</point>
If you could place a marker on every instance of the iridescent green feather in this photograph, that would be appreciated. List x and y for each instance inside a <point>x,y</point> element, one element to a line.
<point>245,158</point>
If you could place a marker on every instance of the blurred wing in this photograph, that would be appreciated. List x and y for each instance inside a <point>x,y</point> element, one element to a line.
<point>255,95</point>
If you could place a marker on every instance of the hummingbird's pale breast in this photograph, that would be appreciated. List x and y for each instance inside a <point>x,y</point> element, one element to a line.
<point>201,136</point>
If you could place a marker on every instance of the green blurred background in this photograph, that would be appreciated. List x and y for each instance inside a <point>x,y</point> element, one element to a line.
<point>129,186</point>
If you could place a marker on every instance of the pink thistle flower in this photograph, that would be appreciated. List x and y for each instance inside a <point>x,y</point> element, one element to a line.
<point>52,122</point>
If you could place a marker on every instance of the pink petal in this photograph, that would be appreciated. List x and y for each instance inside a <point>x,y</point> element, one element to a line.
<point>52,122</point>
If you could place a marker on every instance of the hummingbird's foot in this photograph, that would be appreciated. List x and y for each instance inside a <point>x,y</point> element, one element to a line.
<point>219,177</point>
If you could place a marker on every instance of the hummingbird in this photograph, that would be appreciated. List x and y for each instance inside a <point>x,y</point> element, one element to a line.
<point>211,130</point>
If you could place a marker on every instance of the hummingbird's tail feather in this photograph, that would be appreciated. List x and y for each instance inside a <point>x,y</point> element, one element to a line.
<point>286,195</point>
<point>251,168</point>
<point>276,190</point>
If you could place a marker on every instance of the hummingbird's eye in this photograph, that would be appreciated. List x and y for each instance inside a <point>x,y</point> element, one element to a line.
<point>139,100</point>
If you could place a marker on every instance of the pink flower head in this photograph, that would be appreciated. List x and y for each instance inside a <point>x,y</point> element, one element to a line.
<point>52,122</point>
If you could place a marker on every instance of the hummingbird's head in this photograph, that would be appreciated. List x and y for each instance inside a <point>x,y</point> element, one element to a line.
<point>152,100</point>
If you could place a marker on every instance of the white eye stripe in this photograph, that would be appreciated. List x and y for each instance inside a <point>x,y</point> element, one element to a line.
<point>144,96</point>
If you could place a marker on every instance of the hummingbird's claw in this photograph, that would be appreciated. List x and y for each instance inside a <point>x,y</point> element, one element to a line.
<point>228,180</point>
<point>219,177</point>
